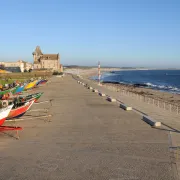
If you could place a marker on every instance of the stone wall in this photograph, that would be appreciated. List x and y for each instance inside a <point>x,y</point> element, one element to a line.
<point>50,64</point>
<point>37,66</point>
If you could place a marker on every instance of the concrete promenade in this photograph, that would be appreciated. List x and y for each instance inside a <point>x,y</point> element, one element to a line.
<point>170,121</point>
<point>88,138</point>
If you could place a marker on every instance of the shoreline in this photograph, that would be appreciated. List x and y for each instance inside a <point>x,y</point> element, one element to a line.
<point>153,93</point>
<point>168,97</point>
<point>171,98</point>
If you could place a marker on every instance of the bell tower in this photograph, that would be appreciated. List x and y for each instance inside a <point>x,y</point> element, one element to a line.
<point>37,54</point>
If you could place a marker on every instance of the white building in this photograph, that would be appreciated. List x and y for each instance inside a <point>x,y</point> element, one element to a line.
<point>21,64</point>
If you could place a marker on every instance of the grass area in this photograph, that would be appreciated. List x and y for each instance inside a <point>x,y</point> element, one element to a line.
<point>9,81</point>
<point>25,75</point>
<point>10,77</point>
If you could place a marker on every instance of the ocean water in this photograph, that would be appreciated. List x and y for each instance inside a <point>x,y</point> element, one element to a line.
<point>164,80</point>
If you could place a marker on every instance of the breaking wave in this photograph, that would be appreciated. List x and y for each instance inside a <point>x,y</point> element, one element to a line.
<point>163,87</point>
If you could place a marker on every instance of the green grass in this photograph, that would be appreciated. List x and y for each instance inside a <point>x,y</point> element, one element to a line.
<point>10,77</point>
<point>9,81</point>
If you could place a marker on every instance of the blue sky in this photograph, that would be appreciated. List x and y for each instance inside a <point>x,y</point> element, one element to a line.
<point>116,32</point>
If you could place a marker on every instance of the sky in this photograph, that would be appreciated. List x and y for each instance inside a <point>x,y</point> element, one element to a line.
<point>136,33</point>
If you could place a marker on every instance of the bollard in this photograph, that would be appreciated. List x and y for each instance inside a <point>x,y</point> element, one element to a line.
<point>95,90</point>
<point>111,99</point>
<point>125,107</point>
<point>90,88</point>
<point>151,121</point>
<point>102,94</point>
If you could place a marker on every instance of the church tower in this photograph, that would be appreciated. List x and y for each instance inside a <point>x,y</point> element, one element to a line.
<point>37,54</point>
<point>45,61</point>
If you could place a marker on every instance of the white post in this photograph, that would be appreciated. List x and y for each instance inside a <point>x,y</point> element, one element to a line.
<point>99,73</point>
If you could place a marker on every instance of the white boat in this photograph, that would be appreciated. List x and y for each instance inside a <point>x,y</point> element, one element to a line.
<point>4,113</point>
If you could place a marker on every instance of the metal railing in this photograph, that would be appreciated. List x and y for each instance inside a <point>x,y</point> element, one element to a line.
<point>149,100</point>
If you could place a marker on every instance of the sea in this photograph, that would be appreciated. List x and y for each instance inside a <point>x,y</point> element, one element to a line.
<point>163,80</point>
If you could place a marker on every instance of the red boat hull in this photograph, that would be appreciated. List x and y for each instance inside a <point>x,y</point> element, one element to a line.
<point>20,110</point>
<point>3,114</point>
<point>2,121</point>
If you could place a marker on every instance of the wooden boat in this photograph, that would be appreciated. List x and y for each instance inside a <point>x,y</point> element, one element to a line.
<point>4,113</point>
<point>30,85</point>
<point>36,96</point>
<point>38,81</point>
<point>8,90</point>
<point>19,89</point>
<point>19,100</point>
<point>43,81</point>
<point>21,110</point>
